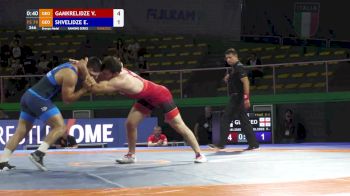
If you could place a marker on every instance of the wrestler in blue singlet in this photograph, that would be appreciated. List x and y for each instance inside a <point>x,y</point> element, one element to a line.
<point>36,103</point>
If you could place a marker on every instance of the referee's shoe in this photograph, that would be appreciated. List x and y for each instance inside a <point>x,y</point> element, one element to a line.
<point>255,147</point>
<point>215,146</point>
<point>219,147</point>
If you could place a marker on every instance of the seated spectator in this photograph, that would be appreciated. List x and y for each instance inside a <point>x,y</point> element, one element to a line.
<point>255,72</point>
<point>5,55</point>
<point>87,48</point>
<point>288,128</point>
<point>17,37</point>
<point>53,63</point>
<point>157,138</point>
<point>26,50</point>
<point>113,52</point>
<point>17,67</point>
<point>142,64</point>
<point>16,50</point>
<point>66,141</point>
<point>133,50</point>
<point>29,64</point>
<point>120,49</point>
<point>43,64</point>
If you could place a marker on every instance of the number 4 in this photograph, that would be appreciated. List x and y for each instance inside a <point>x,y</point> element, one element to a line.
<point>229,137</point>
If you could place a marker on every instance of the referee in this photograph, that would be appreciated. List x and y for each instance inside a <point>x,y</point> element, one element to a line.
<point>238,86</point>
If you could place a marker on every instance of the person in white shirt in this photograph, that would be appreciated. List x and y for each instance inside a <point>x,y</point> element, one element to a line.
<point>16,50</point>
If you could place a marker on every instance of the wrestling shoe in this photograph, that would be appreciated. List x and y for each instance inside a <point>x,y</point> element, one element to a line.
<point>256,147</point>
<point>200,158</point>
<point>217,147</point>
<point>127,159</point>
<point>37,158</point>
<point>5,166</point>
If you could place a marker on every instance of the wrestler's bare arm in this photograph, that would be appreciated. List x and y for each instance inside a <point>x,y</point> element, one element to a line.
<point>69,94</point>
<point>105,87</point>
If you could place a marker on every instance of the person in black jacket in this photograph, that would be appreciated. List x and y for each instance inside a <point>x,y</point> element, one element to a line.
<point>238,84</point>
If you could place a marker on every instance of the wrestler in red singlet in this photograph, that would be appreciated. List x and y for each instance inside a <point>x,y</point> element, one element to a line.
<point>154,96</point>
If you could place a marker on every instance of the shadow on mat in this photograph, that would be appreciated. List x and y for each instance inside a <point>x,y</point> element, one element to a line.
<point>225,153</point>
<point>39,172</point>
<point>142,167</point>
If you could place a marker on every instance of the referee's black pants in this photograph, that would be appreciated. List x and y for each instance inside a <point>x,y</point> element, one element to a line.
<point>235,111</point>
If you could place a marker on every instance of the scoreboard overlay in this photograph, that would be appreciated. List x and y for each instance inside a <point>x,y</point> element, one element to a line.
<point>262,127</point>
<point>74,19</point>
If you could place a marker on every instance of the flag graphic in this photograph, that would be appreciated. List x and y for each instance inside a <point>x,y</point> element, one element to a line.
<point>265,122</point>
<point>306,19</point>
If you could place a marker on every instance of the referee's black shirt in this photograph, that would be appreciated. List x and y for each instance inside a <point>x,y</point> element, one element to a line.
<point>235,85</point>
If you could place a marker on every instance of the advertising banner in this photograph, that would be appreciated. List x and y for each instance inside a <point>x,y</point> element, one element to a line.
<point>86,131</point>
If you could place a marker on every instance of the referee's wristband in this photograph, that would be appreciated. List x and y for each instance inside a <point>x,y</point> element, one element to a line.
<point>246,97</point>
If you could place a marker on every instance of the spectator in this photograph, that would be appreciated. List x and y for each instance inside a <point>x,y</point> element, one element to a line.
<point>26,50</point>
<point>133,50</point>
<point>113,52</point>
<point>203,127</point>
<point>53,63</point>
<point>332,35</point>
<point>288,131</point>
<point>87,48</point>
<point>301,133</point>
<point>157,138</point>
<point>16,50</point>
<point>87,44</point>
<point>5,55</point>
<point>66,141</point>
<point>42,64</point>
<point>17,67</point>
<point>142,64</point>
<point>120,49</point>
<point>255,72</point>
<point>29,64</point>
<point>18,38</point>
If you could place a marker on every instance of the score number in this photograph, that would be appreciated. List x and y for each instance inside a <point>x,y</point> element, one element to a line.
<point>118,18</point>
<point>241,138</point>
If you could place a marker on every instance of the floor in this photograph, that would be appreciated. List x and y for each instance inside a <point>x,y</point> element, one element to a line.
<point>291,169</point>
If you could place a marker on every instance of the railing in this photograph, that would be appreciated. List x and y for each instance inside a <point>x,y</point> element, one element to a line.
<point>290,40</point>
<point>181,72</point>
<point>273,66</point>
